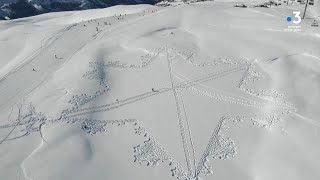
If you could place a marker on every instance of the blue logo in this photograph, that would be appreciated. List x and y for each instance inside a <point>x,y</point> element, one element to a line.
<point>297,17</point>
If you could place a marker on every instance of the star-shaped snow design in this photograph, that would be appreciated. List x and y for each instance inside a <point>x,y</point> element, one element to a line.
<point>156,149</point>
<point>152,152</point>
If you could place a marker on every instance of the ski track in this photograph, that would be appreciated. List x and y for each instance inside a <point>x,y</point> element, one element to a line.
<point>22,165</point>
<point>36,53</point>
<point>316,123</point>
<point>202,163</point>
<point>90,37</point>
<point>142,96</point>
<point>190,135</point>
<point>133,99</point>
<point>231,98</point>
<point>180,119</point>
<point>37,79</point>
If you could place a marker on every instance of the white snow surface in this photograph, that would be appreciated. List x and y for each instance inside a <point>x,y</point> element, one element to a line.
<point>196,91</point>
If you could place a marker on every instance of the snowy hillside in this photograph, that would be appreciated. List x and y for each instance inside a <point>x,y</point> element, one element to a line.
<point>193,91</point>
<point>24,8</point>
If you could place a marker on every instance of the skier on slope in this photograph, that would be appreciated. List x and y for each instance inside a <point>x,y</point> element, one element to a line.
<point>57,57</point>
<point>153,90</point>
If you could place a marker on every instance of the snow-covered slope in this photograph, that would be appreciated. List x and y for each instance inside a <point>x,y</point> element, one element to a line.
<point>12,9</point>
<point>203,90</point>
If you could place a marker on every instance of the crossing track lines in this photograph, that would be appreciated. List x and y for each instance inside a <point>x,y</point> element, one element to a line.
<point>133,99</point>
<point>180,118</point>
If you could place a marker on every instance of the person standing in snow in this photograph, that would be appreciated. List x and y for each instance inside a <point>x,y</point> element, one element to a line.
<point>57,57</point>
<point>153,90</point>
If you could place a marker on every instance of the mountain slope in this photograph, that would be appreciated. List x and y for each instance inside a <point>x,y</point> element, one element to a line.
<point>23,8</point>
<point>196,91</point>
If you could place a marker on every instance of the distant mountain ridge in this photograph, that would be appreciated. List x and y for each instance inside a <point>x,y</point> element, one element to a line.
<point>13,9</point>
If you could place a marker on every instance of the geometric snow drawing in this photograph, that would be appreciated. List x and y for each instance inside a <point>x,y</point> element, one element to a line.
<point>151,152</point>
